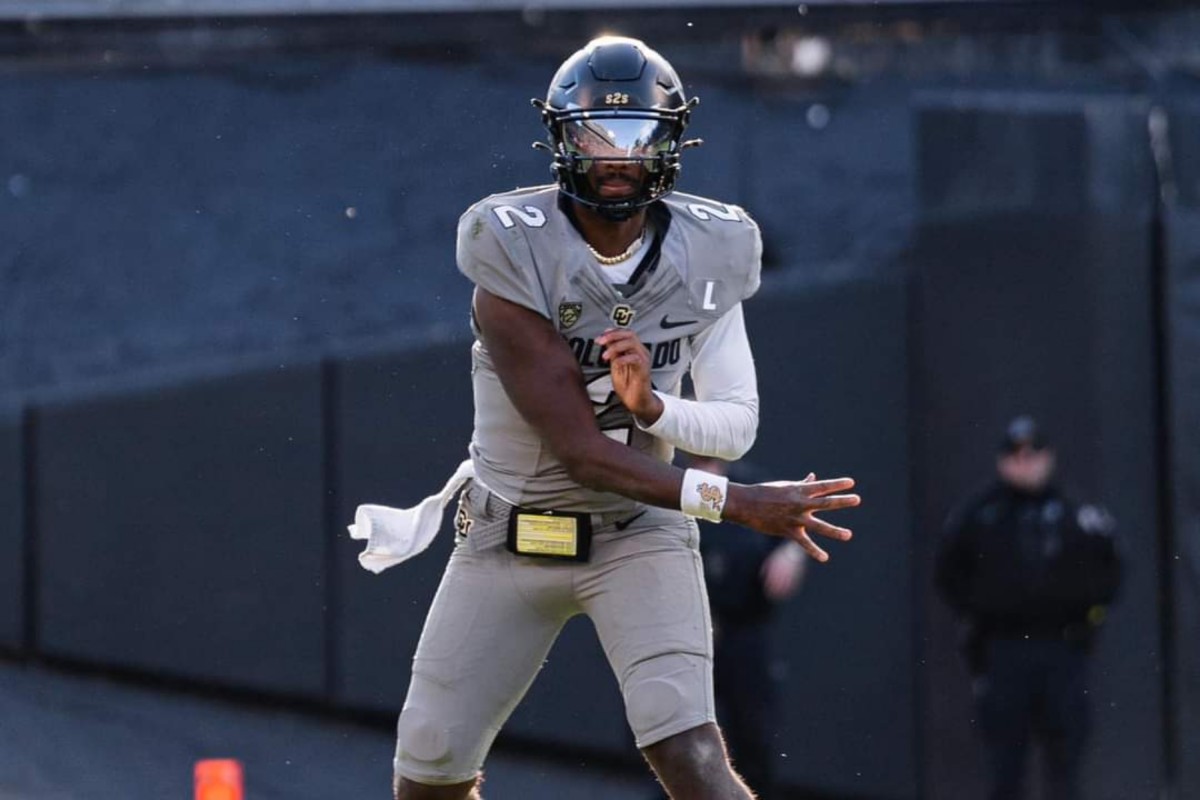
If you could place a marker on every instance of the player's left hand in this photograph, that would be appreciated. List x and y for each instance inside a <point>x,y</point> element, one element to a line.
<point>629,361</point>
<point>788,509</point>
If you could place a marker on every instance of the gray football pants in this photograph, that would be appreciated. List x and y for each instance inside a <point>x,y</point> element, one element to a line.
<point>495,616</point>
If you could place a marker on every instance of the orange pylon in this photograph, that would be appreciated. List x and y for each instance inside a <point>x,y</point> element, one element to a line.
<point>219,779</point>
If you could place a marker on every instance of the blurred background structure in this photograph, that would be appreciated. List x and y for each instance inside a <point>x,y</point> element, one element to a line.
<point>229,313</point>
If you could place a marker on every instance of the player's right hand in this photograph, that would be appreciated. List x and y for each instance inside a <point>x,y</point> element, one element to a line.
<point>789,509</point>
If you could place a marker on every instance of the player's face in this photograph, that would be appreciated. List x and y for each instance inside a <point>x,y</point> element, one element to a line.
<point>617,154</point>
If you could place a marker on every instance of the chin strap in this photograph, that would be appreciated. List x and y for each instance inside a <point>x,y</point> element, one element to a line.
<point>615,214</point>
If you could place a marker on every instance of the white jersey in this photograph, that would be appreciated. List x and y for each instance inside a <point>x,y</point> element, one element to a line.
<point>522,247</point>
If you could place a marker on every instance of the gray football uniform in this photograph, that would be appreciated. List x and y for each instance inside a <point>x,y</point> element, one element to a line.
<point>496,615</point>
<point>520,246</point>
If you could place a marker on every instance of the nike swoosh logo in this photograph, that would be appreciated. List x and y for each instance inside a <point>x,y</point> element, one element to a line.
<point>668,324</point>
<point>623,525</point>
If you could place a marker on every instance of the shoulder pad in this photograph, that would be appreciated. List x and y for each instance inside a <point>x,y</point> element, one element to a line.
<point>514,211</point>
<point>722,265</point>
<point>493,250</point>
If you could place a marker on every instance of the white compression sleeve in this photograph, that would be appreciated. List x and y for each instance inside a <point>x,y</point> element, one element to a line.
<point>723,419</point>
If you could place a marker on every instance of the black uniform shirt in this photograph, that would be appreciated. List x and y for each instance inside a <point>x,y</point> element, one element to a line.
<point>1017,563</point>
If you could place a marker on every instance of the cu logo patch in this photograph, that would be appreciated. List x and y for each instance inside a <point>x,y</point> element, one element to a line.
<point>622,315</point>
<point>462,523</point>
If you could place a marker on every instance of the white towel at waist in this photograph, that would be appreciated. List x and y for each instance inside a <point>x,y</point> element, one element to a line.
<point>397,534</point>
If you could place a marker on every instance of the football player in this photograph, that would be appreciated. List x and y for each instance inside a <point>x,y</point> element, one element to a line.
<point>594,296</point>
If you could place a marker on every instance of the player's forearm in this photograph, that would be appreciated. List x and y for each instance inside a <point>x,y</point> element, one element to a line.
<point>718,428</point>
<point>601,464</point>
<point>723,419</point>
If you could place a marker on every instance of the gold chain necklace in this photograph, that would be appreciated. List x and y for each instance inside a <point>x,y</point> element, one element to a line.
<point>608,261</point>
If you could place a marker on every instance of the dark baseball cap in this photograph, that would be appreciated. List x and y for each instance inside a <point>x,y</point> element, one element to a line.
<point>1022,432</point>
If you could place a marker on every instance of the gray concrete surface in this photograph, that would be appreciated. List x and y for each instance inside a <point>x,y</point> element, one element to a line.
<point>71,736</point>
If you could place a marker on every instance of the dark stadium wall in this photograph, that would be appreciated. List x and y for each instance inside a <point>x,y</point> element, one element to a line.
<point>274,209</point>
<point>180,531</point>
<point>1181,432</point>
<point>401,423</point>
<point>1033,292</point>
<point>832,363</point>
<point>12,531</point>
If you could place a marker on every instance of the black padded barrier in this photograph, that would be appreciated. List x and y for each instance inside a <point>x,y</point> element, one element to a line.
<point>1033,292</point>
<point>180,531</point>
<point>1182,308</point>
<point>832,372</point>
<point>12,531</point>
<point>402,424</point>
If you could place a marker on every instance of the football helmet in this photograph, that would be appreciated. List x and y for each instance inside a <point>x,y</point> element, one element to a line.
<point>612,104</point>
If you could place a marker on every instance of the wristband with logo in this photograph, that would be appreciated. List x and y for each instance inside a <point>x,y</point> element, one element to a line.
<point>703,494</point>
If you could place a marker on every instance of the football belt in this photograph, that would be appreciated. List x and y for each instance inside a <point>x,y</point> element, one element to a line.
<point>484,521</point>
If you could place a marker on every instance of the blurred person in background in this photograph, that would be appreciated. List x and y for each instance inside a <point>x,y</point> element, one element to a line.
<point>747,576</point>
<point>594,298</point>
<point>1031,574</point>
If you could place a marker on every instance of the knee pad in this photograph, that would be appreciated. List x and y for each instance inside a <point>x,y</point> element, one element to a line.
<point>425,753</point>
<point>667,695</point>
<point>421,738</point>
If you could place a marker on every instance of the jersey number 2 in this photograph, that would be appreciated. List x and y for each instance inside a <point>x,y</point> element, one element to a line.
<point>532,216</point>
<point>707,212</point>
